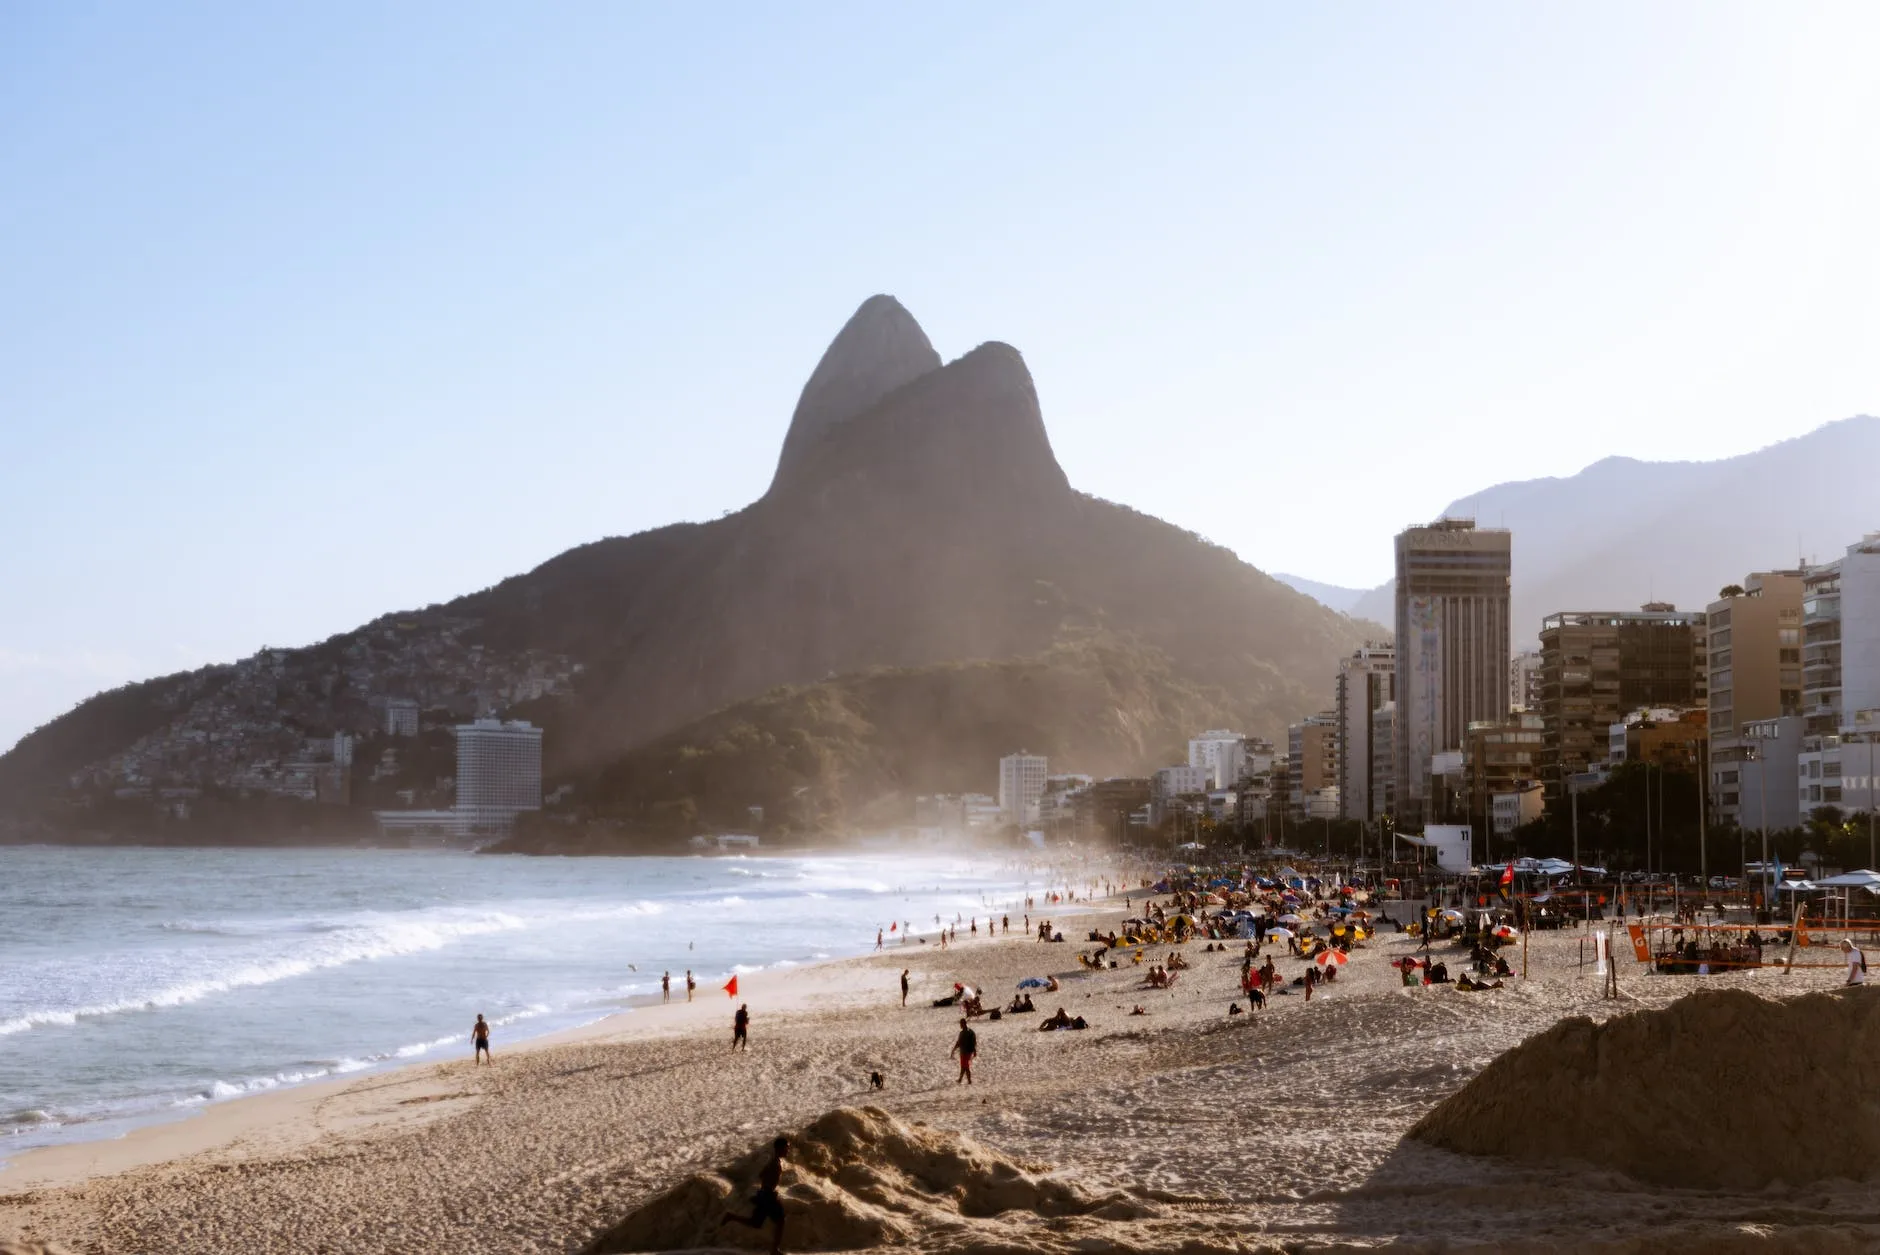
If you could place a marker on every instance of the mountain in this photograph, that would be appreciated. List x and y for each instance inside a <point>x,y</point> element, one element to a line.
<point>918,516</point>
<point>856,750</point>
<point>1623,532</point>
<point>1330,595</point>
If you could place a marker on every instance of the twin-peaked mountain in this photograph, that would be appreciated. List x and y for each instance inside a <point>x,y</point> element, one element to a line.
<point>918,521</point>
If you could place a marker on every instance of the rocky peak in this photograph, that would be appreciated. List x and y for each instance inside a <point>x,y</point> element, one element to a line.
<point>881,348</point>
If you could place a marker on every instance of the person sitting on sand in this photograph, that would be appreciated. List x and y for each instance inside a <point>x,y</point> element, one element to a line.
<point>1176,963</point>
<point>1138,1010</point>
<point>1050,984</point>
<point>767,1203</point>
<point>1061,1019</point>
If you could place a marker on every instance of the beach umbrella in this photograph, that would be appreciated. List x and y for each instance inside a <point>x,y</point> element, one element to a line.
<point>1450,913</point>
<point>1032,982</point>
<point>1286,934</point>
<point>1328,957</point>
<point>1291,917</point>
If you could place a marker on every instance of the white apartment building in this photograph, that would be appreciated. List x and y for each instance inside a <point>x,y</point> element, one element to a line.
<point>1367,682</point>
<point>1220,755</point>
<point>1840,754</point>
<point>1021,786</point>
<point>401,717</point>
<point>1170,783</point>
<point>1524,681</point>
<point>499,773</point>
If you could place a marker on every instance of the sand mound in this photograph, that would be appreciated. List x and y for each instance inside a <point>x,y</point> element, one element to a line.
<point>31,1248</point>
<point>858,1179</point>
<point>1719,1090</point>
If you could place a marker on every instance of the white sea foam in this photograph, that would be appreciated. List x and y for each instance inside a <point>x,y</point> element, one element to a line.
<point>308,946</point>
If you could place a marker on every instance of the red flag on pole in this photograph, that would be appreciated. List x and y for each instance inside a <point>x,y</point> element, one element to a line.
<point>731,987</point>
<point>1507,877</point>
<point>893,926</point>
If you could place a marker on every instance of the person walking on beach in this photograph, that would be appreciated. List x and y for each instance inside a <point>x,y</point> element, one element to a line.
<point>767,1203</point>
<point>903,986</point>
<point>966,1045</point>
<point>877,939</point>
<point>665,987</point>
<point>690,984</point>
<point>480,1038</point>
<point>741,1027</point>
<point>1856,962</point>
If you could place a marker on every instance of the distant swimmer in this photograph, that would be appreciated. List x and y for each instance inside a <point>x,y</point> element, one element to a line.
<point>767,1204</point>
<point>480,1038</point>
<point>741,1027</point>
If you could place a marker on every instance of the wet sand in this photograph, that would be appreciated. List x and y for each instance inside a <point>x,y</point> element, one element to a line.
<point>1272,1130</point>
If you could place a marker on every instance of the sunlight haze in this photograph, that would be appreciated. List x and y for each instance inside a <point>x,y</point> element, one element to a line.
<point>309,315</point>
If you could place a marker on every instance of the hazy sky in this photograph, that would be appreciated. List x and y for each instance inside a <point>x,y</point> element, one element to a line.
<point>312,312</point>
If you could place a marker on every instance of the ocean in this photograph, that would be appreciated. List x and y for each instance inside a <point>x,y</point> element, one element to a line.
<point>140,984</point>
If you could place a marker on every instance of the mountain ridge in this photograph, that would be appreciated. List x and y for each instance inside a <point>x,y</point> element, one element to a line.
<point>1624,531</point>
<point>918,517</point>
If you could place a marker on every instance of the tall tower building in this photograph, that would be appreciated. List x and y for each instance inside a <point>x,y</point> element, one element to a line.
<point>1367,681</point>
<point>499,773</point>
<point>1598,666</point>
<point>1452,646</point>
<point>1220,755</point>
<point>1021,786</point>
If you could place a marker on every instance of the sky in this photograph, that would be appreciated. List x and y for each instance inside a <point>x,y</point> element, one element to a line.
<point>309,313</point>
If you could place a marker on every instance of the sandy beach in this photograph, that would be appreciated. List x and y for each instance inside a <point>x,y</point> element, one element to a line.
<point>1274,1130</point>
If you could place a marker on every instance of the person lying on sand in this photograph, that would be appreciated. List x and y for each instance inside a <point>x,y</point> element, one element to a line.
<point>1062,1020</point>
<point>767,1203</point>
<point>1471,986</point>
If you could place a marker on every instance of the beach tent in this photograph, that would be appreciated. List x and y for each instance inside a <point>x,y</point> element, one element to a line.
<point>1863,879</point>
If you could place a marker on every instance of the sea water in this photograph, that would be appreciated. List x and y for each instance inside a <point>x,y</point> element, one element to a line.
<point>139,984</point>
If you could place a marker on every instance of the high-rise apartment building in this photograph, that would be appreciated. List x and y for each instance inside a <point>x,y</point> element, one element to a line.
<point>1598,666</point>
<point>1524,681</point>
<point>1221,756</point>
<point>1312,763</point>
<point>1452,646</point>
<point>1840,754</point>
<point>1384,762</point>
<point>1366,681</point>
<point>401,717</point>
<point>1021,786</point>
<point>1756,652</point>
<point>499,773</point>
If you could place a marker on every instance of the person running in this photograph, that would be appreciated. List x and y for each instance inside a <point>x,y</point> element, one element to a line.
<point>480,1038</point>
<point>966,1045</point>
<point>767,1203</point>
<point>903,986</point>
<point>1856,962</point>
<point>690,984</point>
<point>665,987</point>
<point>741,1027</point>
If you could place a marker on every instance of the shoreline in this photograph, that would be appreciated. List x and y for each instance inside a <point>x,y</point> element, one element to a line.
<point>1270,1130</point>
<point>219,1124</point>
